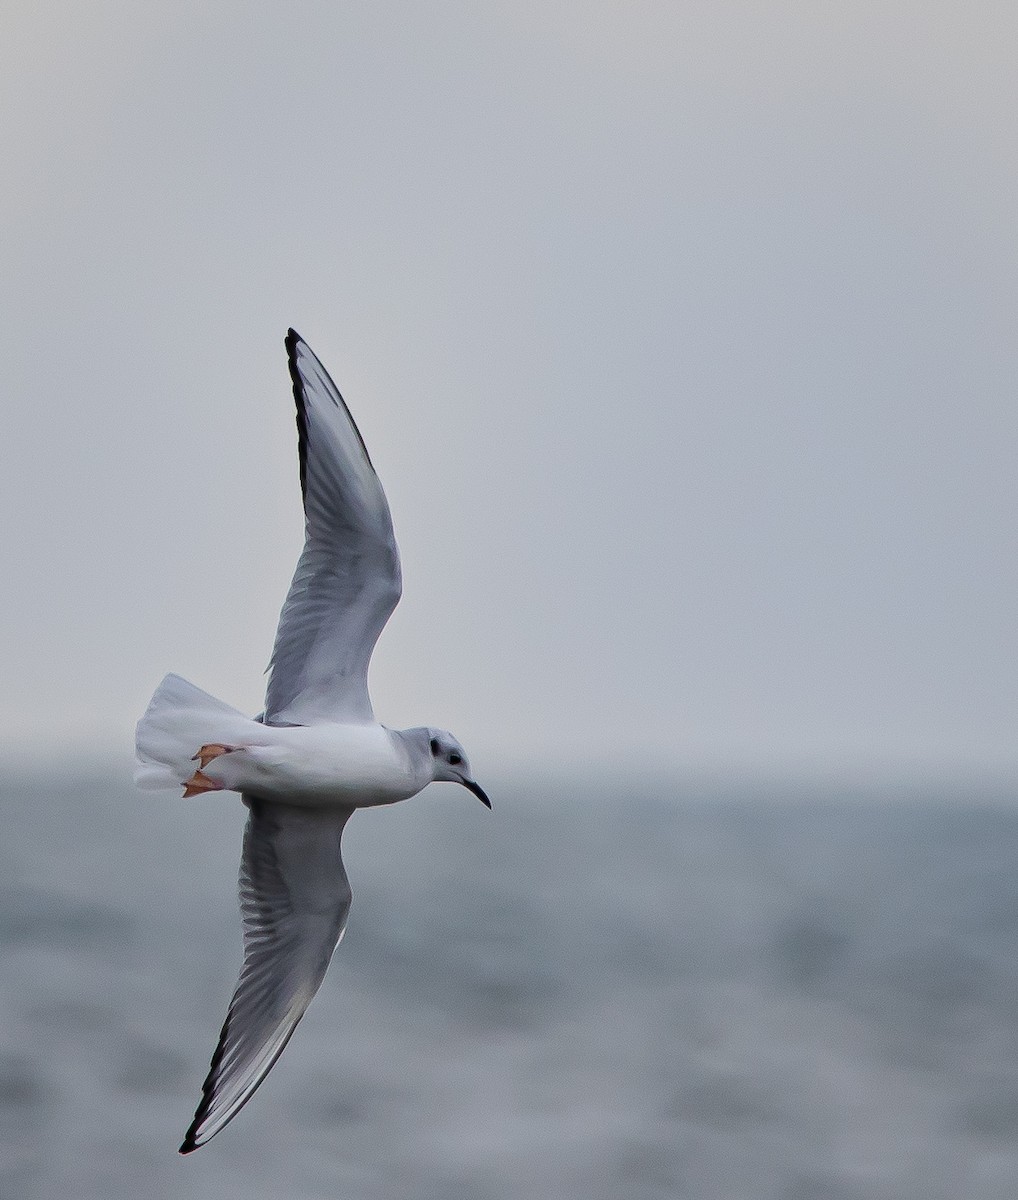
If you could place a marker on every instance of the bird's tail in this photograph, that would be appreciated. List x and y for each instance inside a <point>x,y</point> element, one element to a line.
<point>181,718</point>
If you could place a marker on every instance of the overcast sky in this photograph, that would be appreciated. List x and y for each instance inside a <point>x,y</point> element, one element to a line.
<point>682,335</point>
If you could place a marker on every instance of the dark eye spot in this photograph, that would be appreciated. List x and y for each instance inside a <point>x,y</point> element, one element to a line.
<point>434,747</point>
<point>455,759</point>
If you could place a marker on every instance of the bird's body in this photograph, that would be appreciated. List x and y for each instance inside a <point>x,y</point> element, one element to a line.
<point>326,766</point>
<point>313,756</point>
<point>350,764</point>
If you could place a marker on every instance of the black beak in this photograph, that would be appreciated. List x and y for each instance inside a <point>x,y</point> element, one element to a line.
<point>477,790</point>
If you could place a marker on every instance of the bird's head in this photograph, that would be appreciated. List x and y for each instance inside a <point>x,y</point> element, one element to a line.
<point>449,763</point>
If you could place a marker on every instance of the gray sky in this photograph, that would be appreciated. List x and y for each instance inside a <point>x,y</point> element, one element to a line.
<point>682,336</point>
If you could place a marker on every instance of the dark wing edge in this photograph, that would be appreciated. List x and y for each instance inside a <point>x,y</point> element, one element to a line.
<point>295,898</point>
<point>292,341</point>
<point>348,580</point>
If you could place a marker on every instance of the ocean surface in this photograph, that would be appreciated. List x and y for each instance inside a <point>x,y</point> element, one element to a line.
<point>603,993</point>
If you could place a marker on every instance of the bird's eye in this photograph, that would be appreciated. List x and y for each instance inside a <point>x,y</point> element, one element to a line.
<point>455,759</point>
<point>434,747</point>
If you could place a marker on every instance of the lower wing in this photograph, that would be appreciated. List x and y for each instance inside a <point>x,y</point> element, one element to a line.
<point>294,899</point>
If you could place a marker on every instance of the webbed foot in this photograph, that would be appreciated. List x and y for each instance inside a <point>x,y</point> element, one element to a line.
<point>207,753</point>
<point>199,781</point>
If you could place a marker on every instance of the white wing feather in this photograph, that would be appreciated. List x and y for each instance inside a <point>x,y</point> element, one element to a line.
<point>294,898</point>
<point>347,581</point>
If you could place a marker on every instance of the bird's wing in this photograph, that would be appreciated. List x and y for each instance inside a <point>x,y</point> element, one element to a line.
<point>347,581</point>
<point>294,898</point>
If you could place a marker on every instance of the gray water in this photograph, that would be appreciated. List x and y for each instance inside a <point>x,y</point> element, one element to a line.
<point>624,993</point>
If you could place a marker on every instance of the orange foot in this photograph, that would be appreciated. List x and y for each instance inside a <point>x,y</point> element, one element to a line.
<point>207,753</point>
<point>199,781</point>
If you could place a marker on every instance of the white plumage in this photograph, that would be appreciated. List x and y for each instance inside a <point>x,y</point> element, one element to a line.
<point>312,757</point>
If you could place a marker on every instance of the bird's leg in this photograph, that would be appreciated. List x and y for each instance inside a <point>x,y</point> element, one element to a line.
<point>199,781</point>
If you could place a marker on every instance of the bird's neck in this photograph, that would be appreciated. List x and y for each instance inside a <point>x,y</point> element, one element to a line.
<point>416,744</point>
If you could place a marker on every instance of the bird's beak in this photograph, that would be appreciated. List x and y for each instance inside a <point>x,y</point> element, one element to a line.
<point>477,790</point>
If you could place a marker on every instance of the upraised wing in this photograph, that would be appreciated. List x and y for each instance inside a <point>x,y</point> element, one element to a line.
<point>347,580</point>
<point>294,898</point>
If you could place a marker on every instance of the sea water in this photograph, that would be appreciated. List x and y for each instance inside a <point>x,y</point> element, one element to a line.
<point>611,992</point>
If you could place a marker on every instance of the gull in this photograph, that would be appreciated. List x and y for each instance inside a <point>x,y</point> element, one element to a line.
<point>314,755</point>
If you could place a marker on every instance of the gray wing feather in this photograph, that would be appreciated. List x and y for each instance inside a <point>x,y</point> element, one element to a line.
<point>347,580</point>
<point>294,899</point>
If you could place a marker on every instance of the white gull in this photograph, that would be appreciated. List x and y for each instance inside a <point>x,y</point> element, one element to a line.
<point>314,755</point>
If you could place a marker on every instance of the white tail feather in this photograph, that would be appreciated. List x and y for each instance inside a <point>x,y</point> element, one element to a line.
<point>179,719</point>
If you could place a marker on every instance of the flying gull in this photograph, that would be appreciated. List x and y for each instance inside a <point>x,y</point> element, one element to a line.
<point>314,755</point>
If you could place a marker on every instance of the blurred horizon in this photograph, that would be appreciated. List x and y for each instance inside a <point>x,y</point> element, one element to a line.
<point>706,781</point>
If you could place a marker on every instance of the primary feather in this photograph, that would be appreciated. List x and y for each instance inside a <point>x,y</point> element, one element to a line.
<point>347,581</point>
<point>294,899</point>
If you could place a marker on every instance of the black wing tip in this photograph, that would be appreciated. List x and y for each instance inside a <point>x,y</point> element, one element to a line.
<point>190,1141</point>
<point>208,1088</point>
<point>292,341</point>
